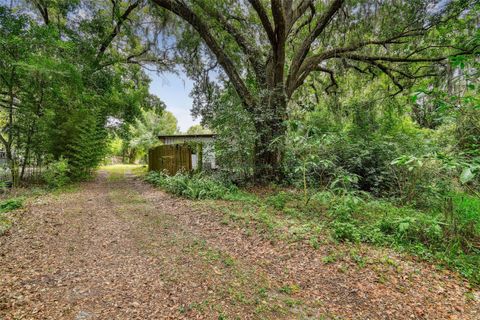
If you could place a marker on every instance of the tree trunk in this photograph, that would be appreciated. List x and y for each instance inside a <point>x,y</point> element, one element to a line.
<point>26,159</point>
<point>269,144</point>
<point>8,144</point>
<point>11,163</point>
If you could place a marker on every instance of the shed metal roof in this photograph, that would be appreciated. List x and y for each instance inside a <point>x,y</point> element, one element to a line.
<point>182,138</point>
<point>186,136</point>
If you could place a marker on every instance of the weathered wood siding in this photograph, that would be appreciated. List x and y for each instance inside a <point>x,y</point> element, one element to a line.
<point>170,158</point>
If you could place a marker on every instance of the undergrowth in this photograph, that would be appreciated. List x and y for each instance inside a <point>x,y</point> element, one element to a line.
<point>195,186</point>
<point>448,236</point>
<point>7,206</point>
<point>11,204</point>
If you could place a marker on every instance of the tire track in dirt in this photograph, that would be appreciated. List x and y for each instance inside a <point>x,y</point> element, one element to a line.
<point>119,249</point>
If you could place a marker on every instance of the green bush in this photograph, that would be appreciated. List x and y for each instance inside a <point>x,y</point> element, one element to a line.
<point>422,228</point>
<point>449,236</point>
<point>195,186</point>
<point>421,181</point>
<point>360,218</point>
<point>57,174</point>
<point>393,159</point>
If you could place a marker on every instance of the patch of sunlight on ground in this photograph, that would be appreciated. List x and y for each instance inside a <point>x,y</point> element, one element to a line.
<point>122,169</point>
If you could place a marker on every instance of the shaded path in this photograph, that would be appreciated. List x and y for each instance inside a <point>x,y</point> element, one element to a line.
<point>118,249</point>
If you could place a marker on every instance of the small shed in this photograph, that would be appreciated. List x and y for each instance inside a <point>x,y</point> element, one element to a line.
<point>183,152</point>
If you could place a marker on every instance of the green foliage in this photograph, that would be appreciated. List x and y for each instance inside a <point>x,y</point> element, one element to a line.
<point>419,228</point>
<point>345,231</point>
<point>7,206</point>
<point>450,236</point>
<point>384,154</point>
<point>5,223</point>
<point>115,146</point>
<point>87,148</point>
<point>57,174</point>
<point>279,200</point>
<point>145,131</point>
<point>462,218</point>
<point>192,186</point>
<point>11,204</point>
<point>198,129</point>
<point>64,90</point>
<point>235,132</point>
<point>422,181</point>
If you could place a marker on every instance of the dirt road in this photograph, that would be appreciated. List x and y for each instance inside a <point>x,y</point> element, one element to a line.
<point>115,248</point>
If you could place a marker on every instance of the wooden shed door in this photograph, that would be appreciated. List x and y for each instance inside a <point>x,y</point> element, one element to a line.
<point>171,158</point>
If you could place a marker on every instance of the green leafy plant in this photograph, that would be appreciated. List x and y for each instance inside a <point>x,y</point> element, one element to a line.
<point>57,174</point>
<point>345,231</point>
<point>279,200</point>
<point>11,204</point>
<point>195,186</point>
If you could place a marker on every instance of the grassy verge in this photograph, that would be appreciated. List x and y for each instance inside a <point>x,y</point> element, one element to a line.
<point>117,172</point>
<point>450,237</point>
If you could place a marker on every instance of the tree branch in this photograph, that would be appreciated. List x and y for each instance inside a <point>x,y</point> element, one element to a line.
<point>313,61</point>
<point>302,52</point>
<point>42,7</point>
<point>280,39</point>
<point>181,10</point>
<point>252,54</point>
<point>262,14</point>
<point>396,59</point>
<point>300,10</point>
<point>333,82</point>
<point>116,30</point>
<point>306,22</point>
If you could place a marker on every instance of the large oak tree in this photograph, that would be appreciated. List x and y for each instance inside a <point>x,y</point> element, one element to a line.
<point>268,49</point>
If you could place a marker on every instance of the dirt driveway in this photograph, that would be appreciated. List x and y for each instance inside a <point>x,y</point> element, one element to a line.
<point>116,248</point>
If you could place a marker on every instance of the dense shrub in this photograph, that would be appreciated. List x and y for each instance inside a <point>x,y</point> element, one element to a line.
<point>87,148</point>
<point>422,181</point>
<point>419,228</point>
<point>399,161</point>
<point>57,174</point>
<point>462,218</point>
<point>192,186</point>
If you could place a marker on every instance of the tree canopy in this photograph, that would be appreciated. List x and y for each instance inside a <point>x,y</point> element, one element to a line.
<point>268,49</point>
<point>66,68</point>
